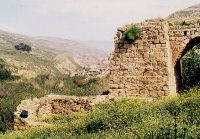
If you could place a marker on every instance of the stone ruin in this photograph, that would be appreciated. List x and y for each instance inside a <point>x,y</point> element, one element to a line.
<point>52,105</point>
<point>150,66</point>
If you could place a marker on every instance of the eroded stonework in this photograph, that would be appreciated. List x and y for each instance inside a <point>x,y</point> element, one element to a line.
<point>53,105</point>
<point>150,66</point>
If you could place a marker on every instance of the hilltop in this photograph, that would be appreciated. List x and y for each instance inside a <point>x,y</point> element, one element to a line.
<point>190,12</point>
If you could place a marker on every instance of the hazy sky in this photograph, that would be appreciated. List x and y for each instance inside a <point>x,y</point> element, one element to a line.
<point>81,19</point>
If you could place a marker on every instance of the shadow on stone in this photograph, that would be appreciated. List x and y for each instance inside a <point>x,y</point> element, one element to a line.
<point>24,114</point>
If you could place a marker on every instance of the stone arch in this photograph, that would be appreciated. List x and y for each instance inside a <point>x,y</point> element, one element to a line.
<point>193,42</point>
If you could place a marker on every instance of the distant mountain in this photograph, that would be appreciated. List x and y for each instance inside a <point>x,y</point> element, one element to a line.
<point>64,55</point>
<point>90,52</point>
<point>191,12</point>
<point>106,46</point>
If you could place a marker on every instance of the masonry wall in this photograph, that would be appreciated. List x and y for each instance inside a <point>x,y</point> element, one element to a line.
<point>183,38</point>
<point>53,105</point>
<point>151,65</point>
<point>143,68</point>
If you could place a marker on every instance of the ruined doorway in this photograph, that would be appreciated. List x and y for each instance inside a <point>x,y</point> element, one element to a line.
<point>187,68</point>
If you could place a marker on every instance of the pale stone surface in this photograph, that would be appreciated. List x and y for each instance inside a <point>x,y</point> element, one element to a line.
<point>53,105</point>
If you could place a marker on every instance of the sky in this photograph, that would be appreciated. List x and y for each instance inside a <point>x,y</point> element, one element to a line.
<point>95,20</point>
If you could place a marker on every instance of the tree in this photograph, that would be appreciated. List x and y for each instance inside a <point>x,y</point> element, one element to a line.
<point>23,47</point>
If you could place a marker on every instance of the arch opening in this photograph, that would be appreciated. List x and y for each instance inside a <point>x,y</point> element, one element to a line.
<point>187,66</point>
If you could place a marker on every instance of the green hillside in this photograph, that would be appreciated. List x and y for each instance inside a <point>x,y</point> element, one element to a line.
<point>49,54</point>
<point>30,64</point>
<point>15,88</point>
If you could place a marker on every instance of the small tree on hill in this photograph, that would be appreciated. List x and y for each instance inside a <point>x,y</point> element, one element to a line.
<point>23,47</point>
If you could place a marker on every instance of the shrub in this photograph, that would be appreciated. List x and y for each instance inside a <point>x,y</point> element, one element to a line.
<point>42,78</point>
<point>5,74</point>
<point>132,34</point>
<point>6,119</point>
<point>23,47</point>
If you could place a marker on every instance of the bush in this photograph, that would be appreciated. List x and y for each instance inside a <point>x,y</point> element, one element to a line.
<point>132,34</point>
<point>5,74</point>
<point>42,78</point>
<point>23,47</point>
<point>6,119</point>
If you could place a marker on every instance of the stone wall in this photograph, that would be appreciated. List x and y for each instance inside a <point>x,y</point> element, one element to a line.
<point>148,66</point>
<point>52,105</point>
<point>180,38</point>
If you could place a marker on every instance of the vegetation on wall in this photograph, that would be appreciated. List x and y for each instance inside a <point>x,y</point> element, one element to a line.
<point>132,34</point>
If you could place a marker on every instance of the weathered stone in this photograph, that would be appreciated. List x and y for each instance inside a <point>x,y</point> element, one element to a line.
<point>155,54</point>
<point>54,105</point>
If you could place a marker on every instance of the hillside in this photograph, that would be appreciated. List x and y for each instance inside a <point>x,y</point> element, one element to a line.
<point>89,52</point>
<point>191,12</point>
<point>49,54</point>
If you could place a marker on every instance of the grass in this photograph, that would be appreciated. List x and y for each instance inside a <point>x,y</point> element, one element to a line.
<point>126,118</point>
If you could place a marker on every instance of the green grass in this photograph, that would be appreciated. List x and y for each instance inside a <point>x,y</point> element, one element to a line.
<point>126,118</point>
